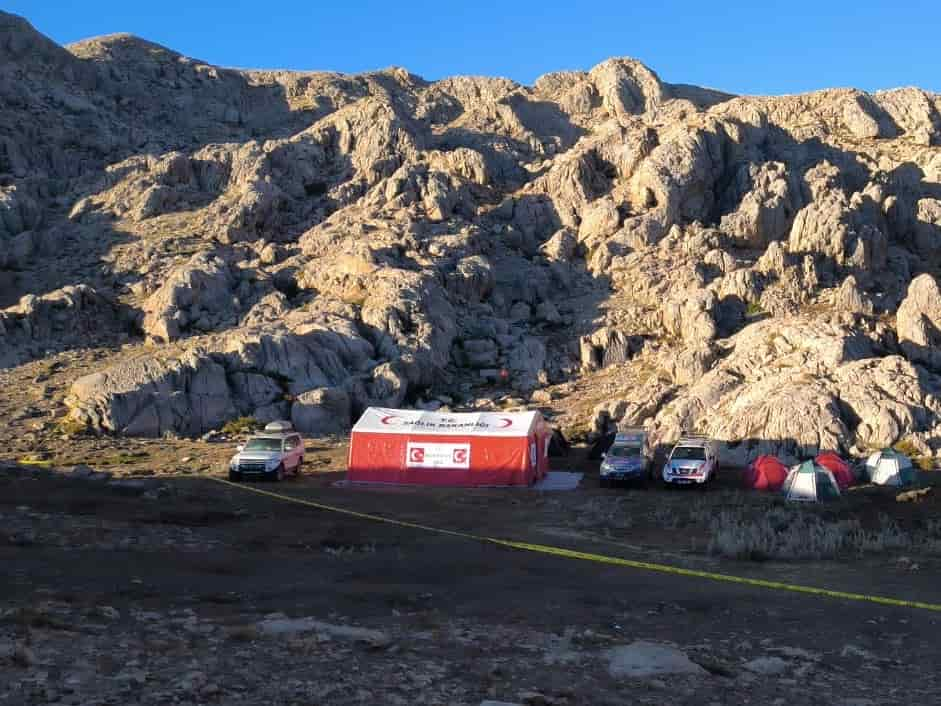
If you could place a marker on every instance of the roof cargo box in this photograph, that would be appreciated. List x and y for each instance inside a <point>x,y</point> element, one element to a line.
<point>279,426</point>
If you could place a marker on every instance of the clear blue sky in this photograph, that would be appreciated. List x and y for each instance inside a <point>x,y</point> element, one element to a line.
<point>742,46</point>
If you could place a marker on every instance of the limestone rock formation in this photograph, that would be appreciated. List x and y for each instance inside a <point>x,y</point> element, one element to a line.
<point>301,244</point>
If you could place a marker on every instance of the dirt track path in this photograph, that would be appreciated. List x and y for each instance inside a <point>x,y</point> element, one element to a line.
<point>466,620</point>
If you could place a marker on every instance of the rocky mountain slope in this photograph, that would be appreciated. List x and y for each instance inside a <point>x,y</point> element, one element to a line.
<point>284,244</point>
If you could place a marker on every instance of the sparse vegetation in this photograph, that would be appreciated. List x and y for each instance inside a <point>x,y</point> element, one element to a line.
<point>123,458</point>
<point>753,309</point>
<point>788,533</point>
<point>240,426</point>
<point>71,427</point>
<point>908,447</point>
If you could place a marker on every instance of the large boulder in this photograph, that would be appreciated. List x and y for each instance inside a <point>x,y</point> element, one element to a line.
<point>765,205</point>
<point>913,111</point>
<point>627,87</point>
<point>63,318</point>
<point>322,411</point>
<point>918,321</point>
<point>154,396</point>
<point>850,230</point>
<point>196,295</point>
<point>691,316</point>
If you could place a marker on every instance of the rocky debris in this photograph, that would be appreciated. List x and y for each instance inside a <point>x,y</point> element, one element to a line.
<point>282,625</point>
<point>68,316</point>
<point>606,347</point>
<point>766,666</point>
<point>643,660</point>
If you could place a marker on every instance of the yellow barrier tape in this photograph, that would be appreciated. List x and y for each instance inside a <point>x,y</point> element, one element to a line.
<point>598,558</point>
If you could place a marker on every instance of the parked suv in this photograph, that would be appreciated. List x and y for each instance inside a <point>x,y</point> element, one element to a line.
<point>694,459</point>
<point>269,455</point>
<point>627,459</point>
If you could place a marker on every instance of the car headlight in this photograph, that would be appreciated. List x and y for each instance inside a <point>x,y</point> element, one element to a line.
<point>272,463</point>
<point>605,467</point>
<point>234,462</point>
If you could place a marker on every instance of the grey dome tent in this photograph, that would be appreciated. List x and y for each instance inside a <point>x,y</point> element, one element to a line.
<point>809,482</point>
<point>889,467</point>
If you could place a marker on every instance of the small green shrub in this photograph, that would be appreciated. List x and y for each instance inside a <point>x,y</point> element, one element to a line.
<point>753,309</point>
<point>71,427</point>
<point>242,425</point>
<point>907,447</point>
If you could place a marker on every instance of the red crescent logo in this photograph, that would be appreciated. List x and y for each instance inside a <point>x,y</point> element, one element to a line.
<point>385,420</point>
<point>506,422</point>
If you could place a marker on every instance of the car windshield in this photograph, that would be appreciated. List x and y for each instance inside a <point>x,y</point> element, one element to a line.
<point>689,453</point>
<point>263,445</point>
<point>624,451</point>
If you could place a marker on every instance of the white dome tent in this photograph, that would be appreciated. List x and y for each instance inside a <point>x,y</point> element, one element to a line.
<point>889,467</point>
<point>809,482</point>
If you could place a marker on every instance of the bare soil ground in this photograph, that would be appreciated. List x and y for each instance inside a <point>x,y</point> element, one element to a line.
<point>158,594</point>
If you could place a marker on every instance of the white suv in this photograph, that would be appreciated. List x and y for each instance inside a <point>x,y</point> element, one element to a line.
<point>694,459</point>
<point>269,455</point>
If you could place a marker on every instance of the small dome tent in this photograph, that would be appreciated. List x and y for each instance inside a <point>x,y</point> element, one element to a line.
<point>889,467</point>
<point>809,482</point>
<point>765,473</point>
<point>840,469</point>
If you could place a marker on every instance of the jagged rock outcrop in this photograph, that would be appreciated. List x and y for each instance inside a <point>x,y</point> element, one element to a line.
<point>919,322</point>
<point>51,322</point>
<point>197,295</point>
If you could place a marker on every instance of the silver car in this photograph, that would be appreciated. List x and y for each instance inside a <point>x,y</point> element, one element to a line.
<point>270,455</point>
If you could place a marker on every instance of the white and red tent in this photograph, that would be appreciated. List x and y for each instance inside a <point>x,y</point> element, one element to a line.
<point>467,449</point>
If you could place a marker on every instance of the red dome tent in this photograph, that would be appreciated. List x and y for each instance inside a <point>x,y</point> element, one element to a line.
<point>470,449</point>
<point>765,473</point>
<point>838,467</point>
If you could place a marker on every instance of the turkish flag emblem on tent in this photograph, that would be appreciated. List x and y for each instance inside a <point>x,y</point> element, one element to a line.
<point>460,455</point>
<point>417,455</point>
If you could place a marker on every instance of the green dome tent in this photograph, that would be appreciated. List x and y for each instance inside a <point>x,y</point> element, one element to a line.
<point>809,482</point>
<point>889,467</point>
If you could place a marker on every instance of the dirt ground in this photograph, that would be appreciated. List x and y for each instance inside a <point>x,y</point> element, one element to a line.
<point>157,591</point>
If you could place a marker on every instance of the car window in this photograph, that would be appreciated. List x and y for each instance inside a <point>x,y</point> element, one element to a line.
<point>263,445</point>
<point>290,443</point>
<point>689,453</point>
<point>624,451</point>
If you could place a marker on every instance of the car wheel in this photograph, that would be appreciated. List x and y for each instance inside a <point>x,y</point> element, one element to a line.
<point>604,483</point>
<point>279,473</point>
<point>297,468</point>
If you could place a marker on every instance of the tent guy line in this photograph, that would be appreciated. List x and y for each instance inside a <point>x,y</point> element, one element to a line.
<point>598,558</point>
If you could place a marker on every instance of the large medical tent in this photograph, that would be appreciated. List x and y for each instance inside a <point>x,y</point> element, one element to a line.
<point>467,449</point>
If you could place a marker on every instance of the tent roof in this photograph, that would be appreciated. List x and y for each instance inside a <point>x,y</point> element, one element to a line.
<point>380,420</point>
<point>890,453</point>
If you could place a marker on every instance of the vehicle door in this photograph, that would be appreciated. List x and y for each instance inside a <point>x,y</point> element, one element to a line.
<point>298,449</point>
<point>289,452</point>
